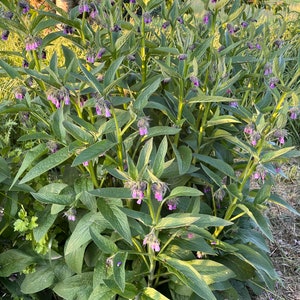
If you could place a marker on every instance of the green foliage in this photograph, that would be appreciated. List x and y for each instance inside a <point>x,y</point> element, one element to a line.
<point>138,157</point>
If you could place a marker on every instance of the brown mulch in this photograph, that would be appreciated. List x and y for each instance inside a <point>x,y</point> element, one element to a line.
<point>285,250</point>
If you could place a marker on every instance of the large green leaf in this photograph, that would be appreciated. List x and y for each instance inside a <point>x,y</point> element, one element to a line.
<point>11,71</point>
<point>116,218</point>
<point>119,263</point>
<point>162,130</point>
<point>78,133</point>
<point>152,294</point>
<point>212,271</point>
<point>142,98</point>
<point>112,193</point>
<point>81,233</point>
<point>260,220</point>
<point>257,259</point>
<point>14,261</point>
<point>91,78</point>
<point>279,201</point>
<point>75,287</point>
<point>184,157</point>
<point>111,71</point>
<point>158,164</point>
<point>176,220</point>
<point>93,151</point>
<point>188,275</point>
<point>102,292</point>
<point>138,215</point>
<point>184,191</point>
<point>271,155</point>
<point>29,158</point>
<point>53,198</point>
<point>242,269</point>
<point>74,259</point>
<point>105,244</point>
<point>144,156</point>
<point>42,278</point>
<point>48,163</point>
<point>218,164</point>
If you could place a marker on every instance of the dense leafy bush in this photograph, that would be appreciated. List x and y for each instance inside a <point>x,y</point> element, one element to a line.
<point>138,154</point>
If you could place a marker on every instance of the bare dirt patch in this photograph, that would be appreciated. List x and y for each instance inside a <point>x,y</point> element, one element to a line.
<point>285,250</point>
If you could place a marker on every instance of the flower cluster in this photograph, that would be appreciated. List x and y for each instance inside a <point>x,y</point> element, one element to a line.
<point>102,106</point>
<point>24,5</point>
<point>152,241</point>
<point>32,43</point>
<point>281,134</point>
<point>137,190</point>
<point>294,112</point>
<point>5,15</point>
<point>172,203</point>
<point>253,135</point>
<point>20,92</point>
<point>92,55</point>
<point>143,125</point>
<point>259,174</point>
<point>71,214</point>
<point>59,96</point>
<point>159,189</point>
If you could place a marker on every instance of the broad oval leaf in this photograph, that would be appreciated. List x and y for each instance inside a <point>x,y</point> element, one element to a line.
<point>93,151</point>
<point>47,164</point>
<point>188,275</point>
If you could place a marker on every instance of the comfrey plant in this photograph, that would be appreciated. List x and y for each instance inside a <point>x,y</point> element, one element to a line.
<point>146,135</point>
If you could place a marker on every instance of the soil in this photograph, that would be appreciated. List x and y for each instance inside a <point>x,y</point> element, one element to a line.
<point>285,250</point>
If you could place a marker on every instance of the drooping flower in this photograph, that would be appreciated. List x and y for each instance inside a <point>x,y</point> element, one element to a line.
<point>25,63</point>
<point>94,11</point>
<point>281,134</point>
<point>273,82</point>
<point>147,18</point>
<point>152,241</point>
<point>83,7</point>
<point>249,129</point>
<point>230,28</point>
<point>294,112</point>
<point>137,190</point>
<point>67,29</point>
<point>20,92</point>
<point>159,189</point>
<point>165,25</point>
<point>268,69</point>
<point>102,106</point>
<point>85,163</point>
<point>100,53</point>
<point>143,125</point>
<point>182,56</point>
<point>195,81</point>
<point>24,5</point>
<point>132,1</point>
<point>32,43</point>
<point>52,146</point>
<point>259,174</point>
<point>234,104</point>
<point>172,203</point>
<point>71,214</point>
<point>91,56</point>
<point>258,46</point>
<point>254,137</point>
<point>206,18</point>
<point>250,45</point>
<point>4,35</point>
<point>116,28</point>
<point>244,24</point>
<point>180,20</point>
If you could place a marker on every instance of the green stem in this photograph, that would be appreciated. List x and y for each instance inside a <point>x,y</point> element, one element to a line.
<point>252,164</point>
<point>143,52</point>
<point>119,140</point>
